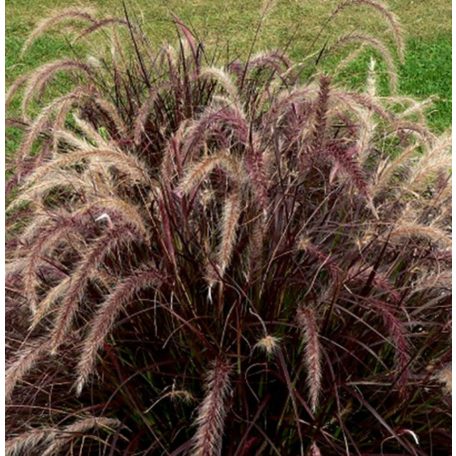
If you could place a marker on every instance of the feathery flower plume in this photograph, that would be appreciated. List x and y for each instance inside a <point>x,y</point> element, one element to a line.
<point>231,117</point>
<point>112,112</point>
<point>255,248</point>
<point>90,262</point>
<point>126,211</point>
<point>312,352</point>
<point>143,114</point>
<point>65,435</point>
<point>122,161</point>
<point>200,170</point>
<point>397,334</point>
<point>321,109</point>
<point>383,9</point>
<point>48,239</point>
<point>171,164</point>
<point>276,61</point>
<point>345,158</point>
<point>229,224</point>
<point>388,167</point>
<point>105,317</point>
<point>224,79</point>
<point>351,57</point>
<point>36,194</point>
<point>25,362</point>
<point>367,131</point>
<point>324,259</point>
<point>41,120</point>
<point>354,100</point>
<point>45,304</point>
<point>255,164</point>
<point>378,46</point>
<point>99,24</point>
<point>29,441</point>
<point>68,14</point>
<point>435,158</point>
<point>406,229</point>
<point>212,411</point>
<point>13,88</point>
<point>88,130</point>
<point>40,78</point>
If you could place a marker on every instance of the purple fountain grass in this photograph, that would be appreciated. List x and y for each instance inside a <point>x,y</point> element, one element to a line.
<point>176,217</point>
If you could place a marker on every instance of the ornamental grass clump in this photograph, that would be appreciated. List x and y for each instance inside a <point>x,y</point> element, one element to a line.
<point>211,257</point>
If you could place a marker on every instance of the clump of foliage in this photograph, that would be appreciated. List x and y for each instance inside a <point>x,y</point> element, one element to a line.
<point>224,260</point>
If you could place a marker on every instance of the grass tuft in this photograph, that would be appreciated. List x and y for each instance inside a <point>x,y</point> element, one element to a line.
<point>246,236</point>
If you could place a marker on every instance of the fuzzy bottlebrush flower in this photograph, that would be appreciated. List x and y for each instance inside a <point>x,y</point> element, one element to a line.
<point>81,427</point>
<point>76,288</point>
<point>39,79</point>
<point>67,14</point>
<point>28,441</point>
<point>320,115</point>
<point>172,208</point>
<point>16,371</point>
<point>212,411</point>
<point>269,344</point>
<point>230,220</point>
<point>312,353</point>
<point>383,10</point>
<point>53,440</point>
<point>104,320</point>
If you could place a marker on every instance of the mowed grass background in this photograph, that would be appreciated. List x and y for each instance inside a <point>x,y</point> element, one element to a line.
<point>230,25</point>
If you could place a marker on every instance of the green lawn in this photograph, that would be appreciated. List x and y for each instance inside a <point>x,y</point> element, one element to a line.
<point>232,23</point>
